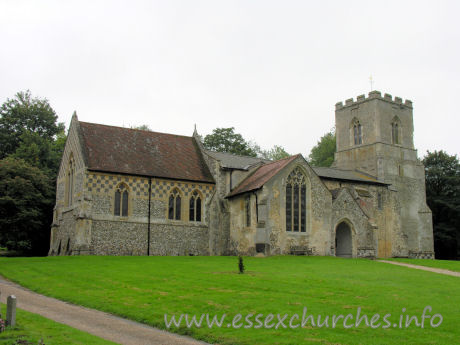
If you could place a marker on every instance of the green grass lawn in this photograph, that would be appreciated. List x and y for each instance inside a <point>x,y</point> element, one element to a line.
<point>33,328</point>
<point>145,288</point>
<point>444,264</point>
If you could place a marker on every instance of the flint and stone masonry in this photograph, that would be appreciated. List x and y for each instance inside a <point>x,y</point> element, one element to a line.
<point>130,192</point>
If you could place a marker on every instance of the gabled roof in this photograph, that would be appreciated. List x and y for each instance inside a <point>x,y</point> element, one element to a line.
<point>145,153</point>
<point>346,175</point>
<point>231,161</point>
<point>262,175</point>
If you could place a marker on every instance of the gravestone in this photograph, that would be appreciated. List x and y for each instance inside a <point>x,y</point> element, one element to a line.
<point>11,311</point>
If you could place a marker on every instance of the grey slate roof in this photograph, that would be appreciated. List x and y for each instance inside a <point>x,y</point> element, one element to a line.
<point>230,161</point>
<point>348,175</point>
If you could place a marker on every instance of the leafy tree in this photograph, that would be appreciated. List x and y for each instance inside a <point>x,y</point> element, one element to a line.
<point>275,153</point>
<point>443,197</point>
<point>26,205</point>
<point>226,140</point>
<point>41,152</point>
<point>26,114</point>
<point>31,146</point>
<point>322,155</point>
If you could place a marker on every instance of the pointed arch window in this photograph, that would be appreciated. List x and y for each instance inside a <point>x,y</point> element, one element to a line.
<point>195,207</point>
<point>174,208</point>
<point>121,201</point>
<point>357,132</point>
<point>70,182</point>
<point>296,197</point>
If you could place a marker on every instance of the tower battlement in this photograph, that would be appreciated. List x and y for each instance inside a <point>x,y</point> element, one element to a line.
<point>374,95</point>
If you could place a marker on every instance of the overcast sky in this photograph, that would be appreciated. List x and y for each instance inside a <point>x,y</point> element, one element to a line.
<point>272,69</point>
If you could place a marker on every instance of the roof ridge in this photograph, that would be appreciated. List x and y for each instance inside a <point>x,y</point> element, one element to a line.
<point>134,129</point>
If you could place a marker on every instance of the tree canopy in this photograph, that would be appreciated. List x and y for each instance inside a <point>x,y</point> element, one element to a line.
<point>322,154</point>
<point>24,113</point>
<point>226,140</point>
<point>443,197</point>
<point>275,153</point>
<point>26,206</point>
<point>31,146</point>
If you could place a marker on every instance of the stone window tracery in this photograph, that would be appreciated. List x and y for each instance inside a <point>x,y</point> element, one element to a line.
<point>296,195</point>
<point>121,201</point>
<point>195,207</point>
<point>174,209</point>
<point>357,132</point>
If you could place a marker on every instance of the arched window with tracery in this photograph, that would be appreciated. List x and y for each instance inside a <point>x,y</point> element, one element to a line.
<point>195,207</point>
<point>121,200</point>
<point>357,131</point>
<point>70,182</point>
<point>296,197</point>
<point>174,205</point>
<point>396,131</point>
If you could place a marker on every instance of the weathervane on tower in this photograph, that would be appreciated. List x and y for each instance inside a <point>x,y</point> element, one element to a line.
<point>372,82</point>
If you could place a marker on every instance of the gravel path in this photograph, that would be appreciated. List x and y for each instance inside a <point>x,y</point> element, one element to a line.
<point>92,321</point>
<point>424,268</point>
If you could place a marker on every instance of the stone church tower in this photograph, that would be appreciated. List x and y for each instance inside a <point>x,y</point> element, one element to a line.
<point>375,135</point>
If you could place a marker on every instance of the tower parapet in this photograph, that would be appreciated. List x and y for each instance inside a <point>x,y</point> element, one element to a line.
<point>374,95</point>
<point>374,134</point>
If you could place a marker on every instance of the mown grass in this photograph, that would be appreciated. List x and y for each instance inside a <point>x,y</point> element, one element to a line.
<point>145,288</point>
<point>444,264</point>
<point>33,328</point>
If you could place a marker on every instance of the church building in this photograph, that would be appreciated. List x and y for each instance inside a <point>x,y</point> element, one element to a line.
<point>124,191</point>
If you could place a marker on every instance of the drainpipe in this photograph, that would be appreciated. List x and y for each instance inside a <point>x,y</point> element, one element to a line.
<point>148,223</point>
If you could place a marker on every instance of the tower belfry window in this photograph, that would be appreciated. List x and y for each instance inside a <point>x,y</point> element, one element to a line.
<point>395,133</point>
<point>357,132</point>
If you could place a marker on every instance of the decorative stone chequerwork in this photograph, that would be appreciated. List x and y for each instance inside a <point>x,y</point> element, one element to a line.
<point>375,186</point>
<point>106,183</point>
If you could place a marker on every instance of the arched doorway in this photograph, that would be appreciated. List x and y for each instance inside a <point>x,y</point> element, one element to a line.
<point>343,241</point>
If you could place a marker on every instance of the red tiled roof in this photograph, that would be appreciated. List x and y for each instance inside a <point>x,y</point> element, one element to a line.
<point>138,152</point>
<point>261,176</point>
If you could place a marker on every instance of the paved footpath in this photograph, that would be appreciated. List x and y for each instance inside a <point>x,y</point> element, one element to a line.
<point>92,321</point>
<point>424,268</point>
